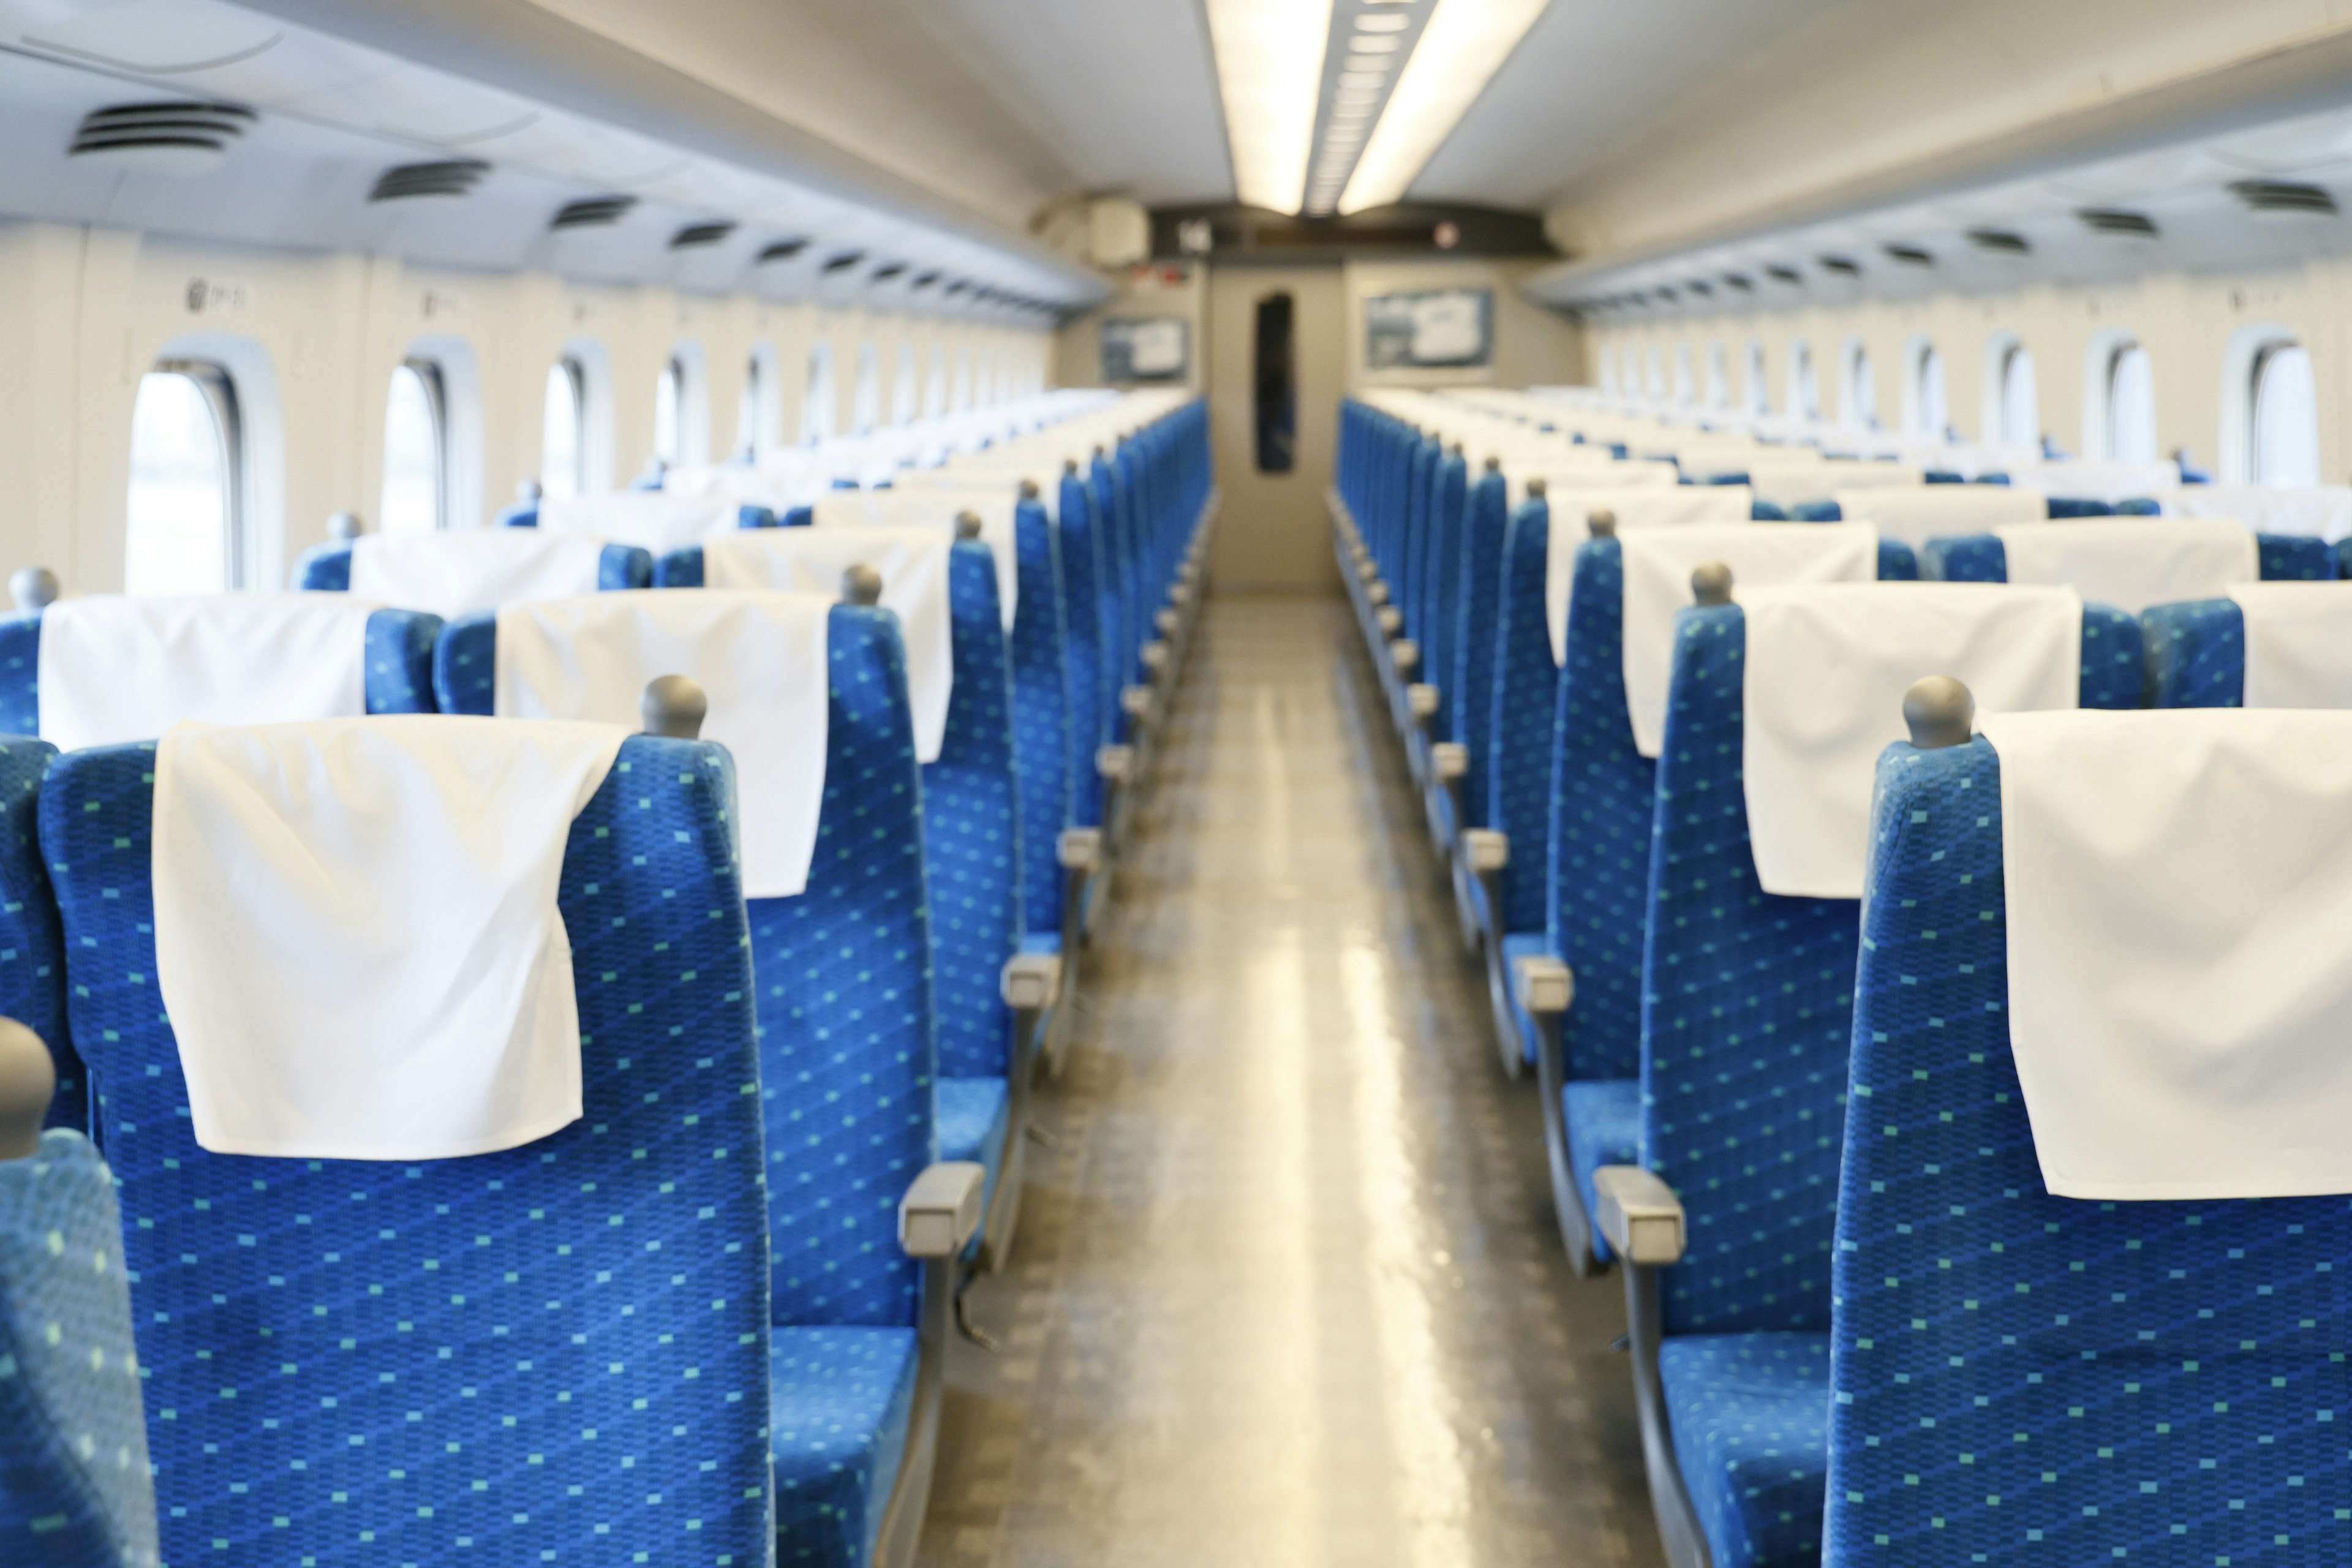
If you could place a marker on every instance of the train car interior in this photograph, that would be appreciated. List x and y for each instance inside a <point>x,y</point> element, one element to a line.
<point>1300,784</point>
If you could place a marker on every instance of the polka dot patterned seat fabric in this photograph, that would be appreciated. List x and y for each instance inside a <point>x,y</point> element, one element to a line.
<point>32,948</point>
<point>1519,749</point>
<point>1470,691</point>
<point>1118,647</point>
<point>2034,1381</point>
<point>74,1486</point>
<point>1080,543</point>
<point>554,1353</point>
<point>1041,715</point>
<point>2196,654</point>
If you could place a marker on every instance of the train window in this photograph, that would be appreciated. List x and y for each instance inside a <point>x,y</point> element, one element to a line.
<point>2131,405</point>
<point>963,379</point>
<point>1685,393</point>
<point>750,410</point>
<point>865,401</point>
<point>1931,409</point>
<point>902,386</point>
<point>669,391</point>
<point>935,388</point>
<point>1804,385</point>
<point>2284,448</point>
<point>185,509</point>
<point>563,435</point>
<point>1654,381</point>
<point>2017,411</point>
<point>816,407</point>
<point>415,449</point>
<point>1274,408</point>
<point>1719,377</point>
<point>1608,369</point>
<point>1758,392</point>
<point>1858,389</point>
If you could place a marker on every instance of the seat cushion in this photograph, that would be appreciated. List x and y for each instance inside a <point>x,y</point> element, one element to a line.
<point>972,1114</point>
<point>1515,946</point>
<point>1751,1416</point>
<point>1603,1117</point>
<point>841,1402</point>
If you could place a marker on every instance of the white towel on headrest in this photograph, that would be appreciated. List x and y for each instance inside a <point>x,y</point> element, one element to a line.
<point>1917,513</point>
<point>760,659</point>
<point>913,562</point>
<point>937,509</point>
<point>1571,524</point>
<point>2318,512</point>
<point>1603,473</point>
<point>453,573</point>
<point>1826,671</point>
<point>1656,578</point>
<point>2105,481</point>
<point>356,931</point>
<point>2298,644</point>
<point>117,667</point>
<point>2134,562</point>
<point>2180,896</point>
<point>659,520</point>
<point>777,486</point>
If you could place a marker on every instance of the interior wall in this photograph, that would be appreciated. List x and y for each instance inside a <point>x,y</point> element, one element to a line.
<point>1534,345</point>
<point>1159,288</point>
<point>85,311</point>
<point>2186,321</point>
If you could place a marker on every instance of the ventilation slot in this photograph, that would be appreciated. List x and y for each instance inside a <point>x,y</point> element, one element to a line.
<point>884,273</point>
<point>695,236</point>
<point>783,250</point>
<point>1908,254</point>
<point>162,138</point>
<point>2116,222</point>
<point>2000,241</point>
<point>1784,275</point>
<point>1741,281</point>
<point>454,177</point>
<point>592,212</point>
<point>843,262</point>
<point>1699,286</point>
<point>1843,266</point>
<point>2281,198</point>
<point>924,280</point>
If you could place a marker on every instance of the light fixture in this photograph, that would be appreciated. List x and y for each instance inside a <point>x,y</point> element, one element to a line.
<point>1368,23</point>
<point>1462,47</point>
<point>1376,43</point>
<point>1269,73</point>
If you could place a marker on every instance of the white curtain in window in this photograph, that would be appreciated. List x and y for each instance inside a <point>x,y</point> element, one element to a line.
<point>2286,445</point>
<point>412,452</point>
<point>561,440</point>
<point>182,511</point>
<point>2020,399</point>
<point>2131,405</point>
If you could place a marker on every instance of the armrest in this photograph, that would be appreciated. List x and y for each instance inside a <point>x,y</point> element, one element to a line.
<point>1545,985</point>
<point>1030,981</point>
<point>1136,700</point>
<point>1378,592</point>
<point>1169,620</point>
<point>1405,654</point>
<point>1639,1213</point>
<point>1154,655</point>
<point>1078,849</point>
<point>1421,699</point>
<point>942,1210</point>
<point>1449,760</point>
<point>1487,849</point>
<point>1367,570</point>
<point>1115,762</point>
<point>1392,619</point>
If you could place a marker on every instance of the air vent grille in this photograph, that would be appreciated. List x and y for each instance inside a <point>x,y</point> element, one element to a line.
<point>695,236</point>
<point>450,177</point>
<point>2000,241</point>
<point>1843,266</point>
<point>1908,254</point>
<point>888,270</point>
<point>1741,281</point>
<point>783,250</point>
<point>592,212</point>
<point>1701,288</point>
<point>1784,275</point>
<point>924,280</point>
<point>2117,222</point>
<point>163,138</point>
<point>2284,198</point>
<point>843,262</point>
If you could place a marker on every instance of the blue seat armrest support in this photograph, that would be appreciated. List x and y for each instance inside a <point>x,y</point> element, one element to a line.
<point>680,568</point>
<point>937,1218</point>
<point>1642,1221</point>
<point>1546,989</point>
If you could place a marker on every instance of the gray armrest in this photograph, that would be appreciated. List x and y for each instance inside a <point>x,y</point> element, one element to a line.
<point>1639,1213</point>
<point>1115,762</point>
<point>1405,654</point>
<point>1030,981</point>
<point>1136,700</point>
<point>1545,985</point>
<point>1079,848</point>
<point>1378,592</point>
<point>1421,698</point>
<point>1155,655</point>
<point>1449,760</point>
<point>942,1210</point>
<point>1169,620</point>
<point>1392,619</point>
<point>1486,850</point>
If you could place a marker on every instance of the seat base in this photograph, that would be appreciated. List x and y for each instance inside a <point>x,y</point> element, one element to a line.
<point>842,1402</point>
<point>1750,1419</point>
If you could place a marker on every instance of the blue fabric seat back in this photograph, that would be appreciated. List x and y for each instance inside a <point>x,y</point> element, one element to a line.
<point>74,1485</point>
<point>1441,580</point>
<point>848,1048</point>
<point>1135,601</point>
<point>2196,654</point>
<point>1080,548</point>
<point>560,1348</point>
<point>1746,1005</point>
<point>746,515</point>
<point>1117,654</point>
<point>2020,1378</point>
<point>971,838</point>
<point>1979,558</point>
<point>1413,540</point>
<point>1042,739</point>
<point>399,665</point>
<point>1526,701</point>
<point>1469,692</point>
<point>2294,558</point>
<point>326,568</point>
<point>32,946</point>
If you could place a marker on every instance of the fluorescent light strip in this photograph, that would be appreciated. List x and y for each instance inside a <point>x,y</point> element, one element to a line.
<point>1269,73</point>
<point>1464,44</point>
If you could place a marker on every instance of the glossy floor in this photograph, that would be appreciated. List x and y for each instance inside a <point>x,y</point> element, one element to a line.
<point>1288,1290</point>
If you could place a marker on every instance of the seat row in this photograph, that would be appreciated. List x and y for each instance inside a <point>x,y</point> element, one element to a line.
<point>635,1337</point>
<point>1683,724</point>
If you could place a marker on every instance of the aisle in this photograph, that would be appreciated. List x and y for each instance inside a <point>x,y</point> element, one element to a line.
<point>1287,1290</point>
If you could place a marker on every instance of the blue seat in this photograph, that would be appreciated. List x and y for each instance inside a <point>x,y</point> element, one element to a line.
<point>1747,1022</point>
<point>74,1486</point>
<point>32,948</point>
<point>1466,683</point>
<point>326,568</point>
<point>1979,558</point>
<point>2196,654</point>
<point>525,514</point>
<point>2021,1378</point>
<point>1601,1125</point>
<point>1751,1416</point>
<point>399,665</point>
<point>560,1348</point>
<point>1043,740</point>
<point>1091,697</point>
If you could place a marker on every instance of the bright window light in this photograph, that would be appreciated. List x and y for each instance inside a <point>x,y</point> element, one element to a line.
<point>1269,72</point>
<point>1464,43</point>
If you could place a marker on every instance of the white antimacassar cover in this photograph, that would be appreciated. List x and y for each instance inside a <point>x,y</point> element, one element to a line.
<point>2133,562</point>
<point>1796,479</point>
<point>356,931</point>
<point>759,658</point>
<point>914,563</point>
<point>1657,579</point>
<point>456,573</point>
<point>2112,482</point>
<point>2316,512</point>
<point>1682,506</point>
<point>937,508</point>
<point>116,668</point>
<point>1917,513</point>
<point>1826,670</point>
<point>1603,473</point>
<point>659,520</point>
<point>2179,894</point>
<point>2298,644</point>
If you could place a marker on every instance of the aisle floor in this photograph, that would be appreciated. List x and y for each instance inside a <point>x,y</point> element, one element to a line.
<point>1287,1290</point>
